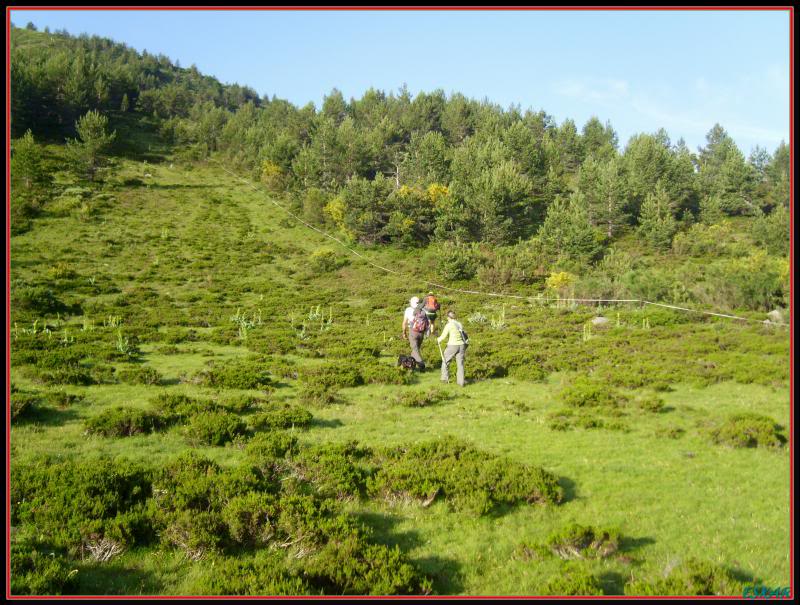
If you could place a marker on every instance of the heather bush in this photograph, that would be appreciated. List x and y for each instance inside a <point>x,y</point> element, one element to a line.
<point>585,392</point>
<point>581,542</point>
<point>37,570</point>
<point>145,375</point>
<point>123,421</point>
<point>691,577</point>
<point>281,416</point>
<point>214,428</point>
<point>467,478</point>
<point>69,501</point>
<point>748,430</point>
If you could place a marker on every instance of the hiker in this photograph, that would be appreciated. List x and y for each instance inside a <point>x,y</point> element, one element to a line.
<point>431,307</point>
<point>456,347</point>
<point>415,325</point>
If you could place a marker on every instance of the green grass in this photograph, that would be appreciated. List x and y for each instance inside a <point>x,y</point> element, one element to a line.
<point>208,246</point>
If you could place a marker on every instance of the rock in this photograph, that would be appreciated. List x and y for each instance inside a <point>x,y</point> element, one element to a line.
<point>600,321</point>
<point>775,316</point>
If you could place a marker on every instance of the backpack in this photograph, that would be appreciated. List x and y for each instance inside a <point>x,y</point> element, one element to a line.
<point>431,303</point>
<point>463,332</point>
<point>420,323</point>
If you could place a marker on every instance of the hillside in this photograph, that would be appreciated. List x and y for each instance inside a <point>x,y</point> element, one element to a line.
<point>205,397</point>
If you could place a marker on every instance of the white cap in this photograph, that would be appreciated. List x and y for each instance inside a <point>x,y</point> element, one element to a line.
<point>414,301</point>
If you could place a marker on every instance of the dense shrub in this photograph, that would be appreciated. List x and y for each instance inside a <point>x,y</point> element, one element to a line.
<point>69,501</point>
<point>419,399</point>
<point>263,575</point>
<point>748,430</point>
<point>214,428</point>
<point>271,445</point>
<point>375,373</point>
<point>38,300</point>
<point>145,375</point>
<point>249,518</point>
<point>177,407</point>
<point>573,581</point>
<point>281,416</point>
<point>123,421</point>
<point>650,403</point>
<point>37,570</point>
<point>355,566</point>
<point>242,403</point>
<point>68,375</point>
<point>692,577</point>
<point>338,470</point>
<point>237,375</point>
<point>580,542</point>
<point>332,375</point>
<point>62,399</point>
<point>466,477</point>
<point>585,392</point>
<point>23,403</point>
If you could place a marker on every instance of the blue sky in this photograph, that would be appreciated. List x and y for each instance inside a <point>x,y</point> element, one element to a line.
<point>641,70</point>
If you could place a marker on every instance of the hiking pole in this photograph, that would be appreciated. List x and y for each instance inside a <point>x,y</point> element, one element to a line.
<point>440,350</point>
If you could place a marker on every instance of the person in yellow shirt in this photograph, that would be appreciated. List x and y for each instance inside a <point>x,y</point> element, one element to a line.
<point>456,347</point>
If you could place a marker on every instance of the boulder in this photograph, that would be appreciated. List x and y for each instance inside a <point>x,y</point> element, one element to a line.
<point>775,316</point>
<point>600,321</point>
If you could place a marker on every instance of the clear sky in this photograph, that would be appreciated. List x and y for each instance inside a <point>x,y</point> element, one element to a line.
<point>642,70</point>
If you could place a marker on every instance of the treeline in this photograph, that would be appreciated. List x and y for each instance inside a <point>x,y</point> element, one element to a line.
<point>56,78</point>
<point>432,168</point>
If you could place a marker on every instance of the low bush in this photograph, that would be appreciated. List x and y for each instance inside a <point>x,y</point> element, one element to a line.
<point>177,407</point>
<point>271,445</point>
<point>356,566</point>
<point>145,375</point>
<point>466,477</point>
<point>37,570</point>
<point>338,470</point>
<point>332,375</point>
<point>214,428</point>
<point>650,403</point>
<point>585,392</point>
<point>691,577</point>
<point>748,430</point>
<point>62,399</point>
<point>123,421</point>
<point>318,394</point>
<point>281,416</point>
<point>419,399</point>
<point>243,375</point>
<point>23,403</point>
<point>68,501</point>
<point>573,581</point>
<point>375,373</point>
<point>581,542</point>
<point>242,403</point>
<point>263,575</point>
<point>67,375</point>
<point>250,517</point>
<point>37,299</point>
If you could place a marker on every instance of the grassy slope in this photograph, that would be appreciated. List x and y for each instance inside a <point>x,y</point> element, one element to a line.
<point>179,232</point>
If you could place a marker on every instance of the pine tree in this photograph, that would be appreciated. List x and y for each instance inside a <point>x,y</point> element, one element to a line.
<point>26,162</point>
<point>88,153</point>
<point>656,222</point>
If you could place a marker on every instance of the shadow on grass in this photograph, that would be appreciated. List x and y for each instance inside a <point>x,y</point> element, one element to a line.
<point>46,416</point>
<point>628,544</point>
<point>320,423</point>
<point>570,489</point>
<point>613,582</point>
<point>116,579</point>
<point>445,573</point>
